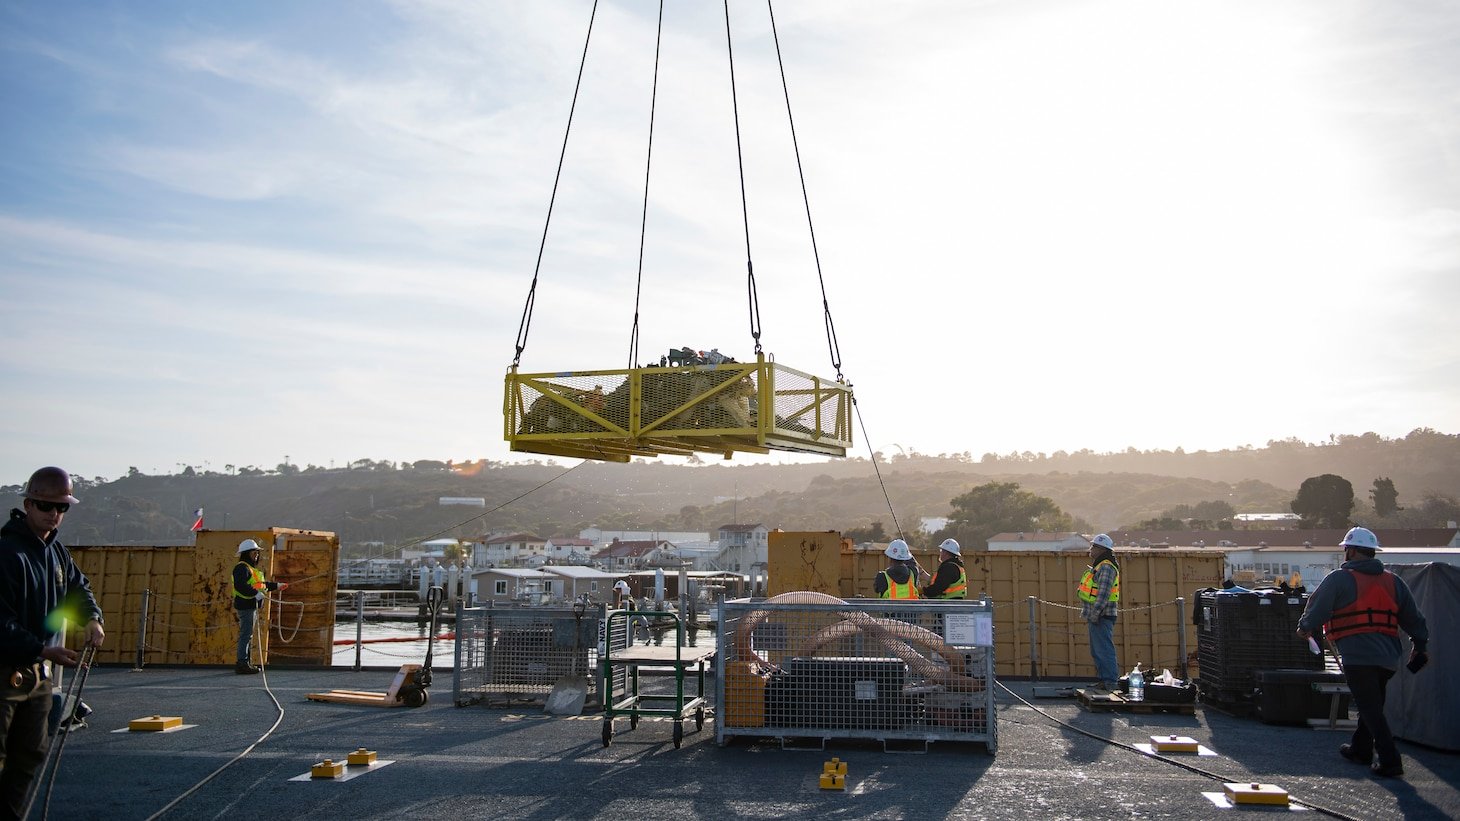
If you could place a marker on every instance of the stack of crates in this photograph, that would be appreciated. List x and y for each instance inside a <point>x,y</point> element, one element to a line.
<point>1241,633</point>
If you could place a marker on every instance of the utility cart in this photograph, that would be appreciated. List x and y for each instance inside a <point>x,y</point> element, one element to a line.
<point>634,703</point>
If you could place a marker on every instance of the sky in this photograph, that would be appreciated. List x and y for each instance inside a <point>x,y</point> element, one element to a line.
<point>240,234</point>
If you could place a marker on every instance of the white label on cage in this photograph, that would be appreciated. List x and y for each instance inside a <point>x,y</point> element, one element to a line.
<point>865,690</point>
<point>1264,602</point>
<point>969,629</point>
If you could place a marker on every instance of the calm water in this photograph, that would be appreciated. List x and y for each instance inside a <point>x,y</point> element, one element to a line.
<point>378,653</point>
<point>394,653</point>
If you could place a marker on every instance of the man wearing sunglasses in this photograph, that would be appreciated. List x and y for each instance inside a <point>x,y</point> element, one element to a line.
<point>38,581</point>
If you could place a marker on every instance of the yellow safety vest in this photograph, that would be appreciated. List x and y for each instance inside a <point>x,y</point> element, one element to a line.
<point>958,589</point>
<point>1088,589</point>
<point>255,580</point>
<point>901,591</point>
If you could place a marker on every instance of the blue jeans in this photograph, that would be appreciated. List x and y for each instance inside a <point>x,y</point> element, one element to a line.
<point>1102,650</point>
<point>245,633</point>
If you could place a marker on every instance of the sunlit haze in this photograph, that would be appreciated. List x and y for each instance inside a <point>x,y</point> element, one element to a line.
<point>236,233</point>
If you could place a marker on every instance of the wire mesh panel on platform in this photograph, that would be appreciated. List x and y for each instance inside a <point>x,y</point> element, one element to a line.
<point>917,671</point>
<point>513,654</point>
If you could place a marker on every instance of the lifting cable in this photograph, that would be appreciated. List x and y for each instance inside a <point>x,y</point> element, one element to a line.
<point>744,209</point>
<point>526,322</point>
<point>644,214</point>
<point>831,343</point>
<point>863,423</point>
<point>1332,813</point>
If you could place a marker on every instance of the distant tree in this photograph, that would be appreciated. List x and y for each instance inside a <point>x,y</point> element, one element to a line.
<point>286,469</point>
<point>1214,511</point>
<point>871,533</point>
<point>1386,498</point>
<point>453,552</point>
<point>250,470</point>
<point>1000,507</point>
<point>133,473</point>
<point>1324,501</point>
<point>691,515</point>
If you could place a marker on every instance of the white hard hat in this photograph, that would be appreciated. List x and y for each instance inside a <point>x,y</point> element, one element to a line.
<point>951,545</point>
<point>1361,537</point>
<point>1104,541</point>
<point>898,550</point>
<point>246,545</point>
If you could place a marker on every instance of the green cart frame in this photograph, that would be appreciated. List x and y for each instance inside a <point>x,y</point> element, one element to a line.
<point>635,704</point>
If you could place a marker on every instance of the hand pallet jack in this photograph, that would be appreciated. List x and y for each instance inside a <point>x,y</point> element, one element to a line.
<point>409,689</point>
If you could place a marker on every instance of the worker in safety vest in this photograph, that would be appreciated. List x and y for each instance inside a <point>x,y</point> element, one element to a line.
<point>248,592</point>
<point>900,579</point>
<point>1362,607</point>
<point>1099,594</point>
<point>950,582</point>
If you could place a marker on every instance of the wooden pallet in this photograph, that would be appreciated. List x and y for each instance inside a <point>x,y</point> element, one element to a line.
<point>1116,703</point>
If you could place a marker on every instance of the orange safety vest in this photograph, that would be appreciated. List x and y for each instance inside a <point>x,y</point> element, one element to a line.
<point>958,589</point>
<point>1088,590</point>
<point>255,580</point>
<point>901,591</point>
<point>1374,610</point>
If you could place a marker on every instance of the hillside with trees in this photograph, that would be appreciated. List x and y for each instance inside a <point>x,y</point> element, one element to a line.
<point>1412,481</point>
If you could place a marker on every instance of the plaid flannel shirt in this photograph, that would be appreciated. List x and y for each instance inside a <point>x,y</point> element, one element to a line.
<point>1104,580</point>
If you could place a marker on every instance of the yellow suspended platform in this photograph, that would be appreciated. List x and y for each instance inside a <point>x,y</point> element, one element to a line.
<point>733,406</point>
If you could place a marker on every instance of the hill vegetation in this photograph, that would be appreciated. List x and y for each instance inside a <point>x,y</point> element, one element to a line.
<point>394,505</point>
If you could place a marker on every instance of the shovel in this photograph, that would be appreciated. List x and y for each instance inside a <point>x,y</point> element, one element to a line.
<point>570,692</point>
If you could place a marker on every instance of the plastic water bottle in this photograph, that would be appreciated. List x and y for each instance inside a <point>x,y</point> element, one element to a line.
<point>1136,684</point>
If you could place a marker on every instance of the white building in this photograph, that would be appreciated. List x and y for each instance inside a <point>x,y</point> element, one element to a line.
<point>742,546</point>
<point>601,537</point>
<point>1279,563</point>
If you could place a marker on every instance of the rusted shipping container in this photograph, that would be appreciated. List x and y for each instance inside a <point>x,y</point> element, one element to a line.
<point>1149,631</point>
<point>190,617</point>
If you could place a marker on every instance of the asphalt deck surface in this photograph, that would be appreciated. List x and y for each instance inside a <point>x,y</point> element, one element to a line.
<point>517,763</point>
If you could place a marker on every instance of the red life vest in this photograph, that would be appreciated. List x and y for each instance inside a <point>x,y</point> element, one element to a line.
<point>1373,610</point>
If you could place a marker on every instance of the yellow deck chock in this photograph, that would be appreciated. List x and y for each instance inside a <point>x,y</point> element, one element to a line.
<point>327,769</point>
<point>834,775</point>
<point>361,756</point>
<point>154,723</point>
<point>1252,793</point>
<point>1173,744</point>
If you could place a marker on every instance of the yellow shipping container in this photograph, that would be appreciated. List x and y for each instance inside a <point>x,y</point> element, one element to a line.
<point>190,618</point>
<point>804,561</point>
<point>1149,630</point>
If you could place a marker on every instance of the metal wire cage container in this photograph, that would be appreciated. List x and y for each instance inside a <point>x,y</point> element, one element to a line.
<point>891,671</point>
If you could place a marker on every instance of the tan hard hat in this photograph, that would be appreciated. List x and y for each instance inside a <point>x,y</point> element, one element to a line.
<point>50,484</point>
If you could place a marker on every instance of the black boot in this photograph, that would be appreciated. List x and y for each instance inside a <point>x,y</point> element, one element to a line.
<point>245,669</point>
<point>1347,751</point>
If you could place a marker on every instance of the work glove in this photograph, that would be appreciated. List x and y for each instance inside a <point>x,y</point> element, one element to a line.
<point>1417,660</point>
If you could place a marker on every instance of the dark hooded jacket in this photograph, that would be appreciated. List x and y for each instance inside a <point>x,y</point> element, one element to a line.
<point>37,576</point>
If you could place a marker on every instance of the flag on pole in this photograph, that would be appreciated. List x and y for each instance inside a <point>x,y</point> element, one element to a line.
<point>198,516</point>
